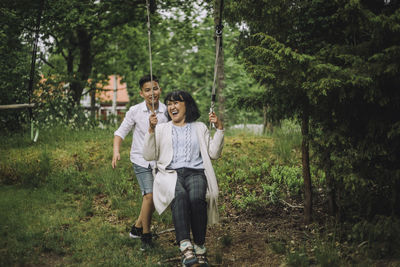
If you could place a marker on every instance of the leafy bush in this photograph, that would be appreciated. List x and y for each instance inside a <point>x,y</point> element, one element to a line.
<point>289,176</point>
<point>55,107</point>
<point>327,256</point>
<point>272,192</point>
<point>297,258</point>
<point>381,236</point>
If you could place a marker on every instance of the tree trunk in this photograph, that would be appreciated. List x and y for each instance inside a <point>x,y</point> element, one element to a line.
<point>306,166</point>
<point>264,119</point>
<point>267,126</point>
<point>93,103</point>
<point>218,7</point>
<point>331,185</point>
<point>70,62</point>
<point>331,192</point>
<point>85,64</point>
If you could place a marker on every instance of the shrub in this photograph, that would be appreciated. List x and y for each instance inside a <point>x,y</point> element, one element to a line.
<point>291,177</point>
<point>381,234</point>
<point>297,258</point>
<point>327,256</point>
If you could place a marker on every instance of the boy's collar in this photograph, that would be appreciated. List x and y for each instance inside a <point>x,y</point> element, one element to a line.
<point>158,110</point>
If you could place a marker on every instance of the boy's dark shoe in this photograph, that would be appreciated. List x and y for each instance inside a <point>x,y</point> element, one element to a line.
<point>147,242</point>
<point>135,232</point>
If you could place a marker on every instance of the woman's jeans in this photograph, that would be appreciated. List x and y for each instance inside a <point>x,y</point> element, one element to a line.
<point>189,207</point>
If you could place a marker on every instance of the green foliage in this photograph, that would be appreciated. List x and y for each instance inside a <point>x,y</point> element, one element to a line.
<point>287,140</point>
<point>379,237</point>
<point>278,245</point>
<point>339,61</point>
<point>289,177</point>
<point>84,43</point>
<point>327,255</point>
<point>297,258</point>
<point>15,50</point>
<point>253,182</point>
<point>79,209</point>
<point>54,108</point>
<point>61,201</point>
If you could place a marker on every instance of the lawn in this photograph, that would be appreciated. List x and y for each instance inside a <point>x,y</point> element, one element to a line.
<point>61,204</point>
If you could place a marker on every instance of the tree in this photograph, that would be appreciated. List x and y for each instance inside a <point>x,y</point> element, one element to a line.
<point>183,48</point>
<point>17,35</point>
<point>338,62</point>
<point>83,31</point>
<point>281,69</point>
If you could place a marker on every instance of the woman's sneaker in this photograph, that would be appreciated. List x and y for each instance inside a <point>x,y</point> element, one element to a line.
<point>202,259</point>
<point>136,232</point>
<point>188,257</point>
<point>201,255</point>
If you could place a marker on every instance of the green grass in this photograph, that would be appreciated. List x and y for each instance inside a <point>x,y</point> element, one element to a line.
<point>287,141</point>
<point>61,203</point>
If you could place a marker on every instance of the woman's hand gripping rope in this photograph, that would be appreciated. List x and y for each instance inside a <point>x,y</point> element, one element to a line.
<point>214,120</point>
<point>152,122</point>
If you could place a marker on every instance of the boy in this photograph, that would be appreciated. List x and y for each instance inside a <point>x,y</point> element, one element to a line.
<point>137,120</point>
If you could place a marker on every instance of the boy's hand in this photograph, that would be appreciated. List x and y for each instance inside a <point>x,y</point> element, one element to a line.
<point>116,145</point>
<point>153,122</point>
<point>116,157</point>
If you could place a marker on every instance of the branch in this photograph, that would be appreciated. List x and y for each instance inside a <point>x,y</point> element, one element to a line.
<point>290,205</point>
<point>58,45</point>
<point>166,231</point>
<point>46,62</point>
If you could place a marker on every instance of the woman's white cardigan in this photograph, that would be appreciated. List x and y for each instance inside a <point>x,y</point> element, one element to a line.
<point>160,149</point>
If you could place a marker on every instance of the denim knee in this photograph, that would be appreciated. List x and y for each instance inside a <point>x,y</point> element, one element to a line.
<point>198,202</point>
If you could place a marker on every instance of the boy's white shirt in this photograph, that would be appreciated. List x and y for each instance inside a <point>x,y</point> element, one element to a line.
<point>165,180</point>
<point>137,120</point>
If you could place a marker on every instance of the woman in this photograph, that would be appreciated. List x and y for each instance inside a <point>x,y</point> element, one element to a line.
<point>185,178</point>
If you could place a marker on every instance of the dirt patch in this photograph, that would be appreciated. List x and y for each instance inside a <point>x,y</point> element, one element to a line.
<point>248,240</point>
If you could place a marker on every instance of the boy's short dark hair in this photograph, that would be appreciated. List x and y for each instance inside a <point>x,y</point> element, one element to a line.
<point>146,79</point>
<point>192,111</point>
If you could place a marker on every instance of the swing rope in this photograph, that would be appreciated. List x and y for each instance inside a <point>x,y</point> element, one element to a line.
<point>32,73</point>
<point>151,76</point>
<point>218,33</point>
<point>218,47</point>
<point>150,59</point>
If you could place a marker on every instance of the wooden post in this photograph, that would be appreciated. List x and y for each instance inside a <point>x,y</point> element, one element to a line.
<point>16,106</point>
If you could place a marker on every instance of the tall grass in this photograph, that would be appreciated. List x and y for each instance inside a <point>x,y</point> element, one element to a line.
<point>287,140</point>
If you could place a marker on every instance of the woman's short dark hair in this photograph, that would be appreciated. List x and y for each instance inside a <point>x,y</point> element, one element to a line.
<point>192,111</point>
<point>145,79</point>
